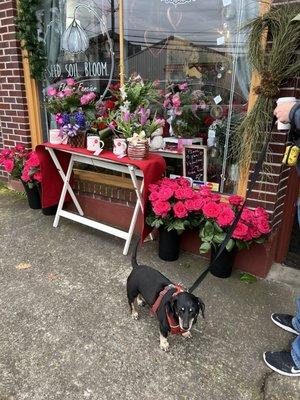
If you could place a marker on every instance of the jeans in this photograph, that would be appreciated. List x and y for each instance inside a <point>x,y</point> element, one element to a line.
<point>296,343</point>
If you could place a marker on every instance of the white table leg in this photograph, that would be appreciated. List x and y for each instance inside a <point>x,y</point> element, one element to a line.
<point>63,193</point>
<point>138,190</point>
<point>138,206</point>
<point>63,177</point>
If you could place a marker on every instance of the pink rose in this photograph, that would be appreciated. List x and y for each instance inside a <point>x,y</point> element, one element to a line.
<point>263,226</point>
<point>194,204</point>
<point>236,200</point>
<point>70,81</point>
<point>240,231</point>
<point>8,165</point>
<point>161,208</point>
<point>226,216</point>
<point>37,176</point>
<point>260,212</point>
<point>182,181</point>
<point>172,183</point>
<point>51,91</point>
<point>176,100</point>
<point>179,210</point>
<point>205,191</point>
<point>20,147</point>
<point>254,232</point>
<point>216,197</point>
<point>25,174</point>
<point>165,193</point>
<point>154,196</point>
<point>247,215</point>
<point>153,187</point>
<point>211,210</point>
<point>184,193</point>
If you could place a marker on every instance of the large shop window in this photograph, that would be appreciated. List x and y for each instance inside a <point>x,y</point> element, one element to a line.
<point>198,41</point>
<point>80,37</point>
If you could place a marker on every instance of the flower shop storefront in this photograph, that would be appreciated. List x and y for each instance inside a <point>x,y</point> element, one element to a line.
<point>172,80</point>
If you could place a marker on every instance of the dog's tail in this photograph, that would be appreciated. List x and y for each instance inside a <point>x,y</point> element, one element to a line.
<point>134,262</point>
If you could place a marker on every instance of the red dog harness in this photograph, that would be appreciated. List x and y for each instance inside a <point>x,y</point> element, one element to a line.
<point>175,328</point>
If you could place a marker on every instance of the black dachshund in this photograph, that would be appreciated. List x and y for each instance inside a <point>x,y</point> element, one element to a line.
<point>176,309</point>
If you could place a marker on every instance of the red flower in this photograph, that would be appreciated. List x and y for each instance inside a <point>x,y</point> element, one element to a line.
<point>165,193</point>
<point>153,187</point>
<point>208,120</point>
<point>211,210</point>
<point>247,215</point>
<point>226,215</point>
<point>194,204</point>
<point>260,212</point>
<point>216,197</point>
<point>179,210</point>
<point>254,232</point>
<point>183,182</point>
<point>8,165</point>
<point>240,231</point>
<point>236,200</point>
<point>161,208</point>
<point>109,104</point>
<point>173,183</point>
<point>37,176</point>
<point>263,225</point>
<point>205,191</point>
<point>154,196</point>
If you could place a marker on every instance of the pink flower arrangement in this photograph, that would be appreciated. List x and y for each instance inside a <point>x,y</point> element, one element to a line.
<point>13,160</point>
<point>174,204</point>
<point>31,172</point>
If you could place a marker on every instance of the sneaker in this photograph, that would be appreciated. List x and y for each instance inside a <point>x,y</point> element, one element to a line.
<point>285,322</point>
<point>281,362</point>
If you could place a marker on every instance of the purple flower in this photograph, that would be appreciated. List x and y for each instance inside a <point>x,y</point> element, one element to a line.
<point>144,115</point>
<point>160,121</point>
<point>80,119</point>
<point>126,116</point>
<point>183,86</point>
<point>70,130</point>
<point>65,119</point>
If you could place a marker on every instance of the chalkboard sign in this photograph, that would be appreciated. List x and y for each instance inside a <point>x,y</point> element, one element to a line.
<point>195,162</point>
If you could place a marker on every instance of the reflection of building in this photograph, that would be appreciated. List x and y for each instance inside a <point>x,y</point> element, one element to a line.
<point>175,59</point>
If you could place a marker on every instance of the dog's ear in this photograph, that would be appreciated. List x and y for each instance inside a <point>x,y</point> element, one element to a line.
<point>201,306</point>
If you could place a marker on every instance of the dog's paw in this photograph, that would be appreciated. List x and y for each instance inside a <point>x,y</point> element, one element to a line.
<point>187,335</point>
<point>140,302</point>
<point>135,315</point>
<point>164,346</point>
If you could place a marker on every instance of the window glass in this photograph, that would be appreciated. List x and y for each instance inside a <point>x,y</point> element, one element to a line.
<point>199,42</point>
<point>80,37</point>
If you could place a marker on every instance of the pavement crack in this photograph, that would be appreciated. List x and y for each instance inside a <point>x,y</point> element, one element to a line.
<point>263,385</point>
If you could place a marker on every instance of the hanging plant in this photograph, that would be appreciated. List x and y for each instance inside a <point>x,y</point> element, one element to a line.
<point>274,65</point>
<point>28,35</point>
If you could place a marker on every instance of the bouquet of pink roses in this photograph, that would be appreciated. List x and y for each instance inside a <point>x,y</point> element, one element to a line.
<point>174,205</point>
<point>217,218</point>
<point>31,172</point>
<point>13,160</point>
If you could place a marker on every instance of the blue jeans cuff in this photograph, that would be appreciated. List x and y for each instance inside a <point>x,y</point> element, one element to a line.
<point>295,359</point>
<point>296,324</point>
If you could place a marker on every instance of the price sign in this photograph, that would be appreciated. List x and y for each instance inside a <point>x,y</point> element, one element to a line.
<point>195,162</point>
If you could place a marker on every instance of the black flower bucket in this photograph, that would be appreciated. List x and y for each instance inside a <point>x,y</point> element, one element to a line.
<point>169,244</point>
<point>223,266</point>
<point>33,196</point>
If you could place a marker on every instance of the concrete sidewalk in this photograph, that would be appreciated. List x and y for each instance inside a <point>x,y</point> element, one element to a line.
<point>66,332</point>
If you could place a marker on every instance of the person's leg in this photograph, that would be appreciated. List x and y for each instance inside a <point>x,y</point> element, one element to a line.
<point>295,352</point>
<point>296,319</point>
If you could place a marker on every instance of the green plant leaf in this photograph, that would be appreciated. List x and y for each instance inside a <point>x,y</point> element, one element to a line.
<point>219,238</point>
<point>248,278</point>
<point>204,248</point>
<point>230,245</point>
<point>260,240</point>
<point>208,231</point>
<point>217,228</point>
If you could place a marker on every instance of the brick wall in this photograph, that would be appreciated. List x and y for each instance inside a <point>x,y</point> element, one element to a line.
<point>14,122</point>
<point>270,191</point>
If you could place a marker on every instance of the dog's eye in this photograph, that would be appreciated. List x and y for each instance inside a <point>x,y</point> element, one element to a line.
<point>182,308</point>
<point>190,310</point>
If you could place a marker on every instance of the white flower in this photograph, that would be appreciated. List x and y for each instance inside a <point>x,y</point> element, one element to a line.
<point>124,109</point>
<point>123,92</point>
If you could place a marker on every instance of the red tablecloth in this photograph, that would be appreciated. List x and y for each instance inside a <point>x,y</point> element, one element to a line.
<point>52,184</point>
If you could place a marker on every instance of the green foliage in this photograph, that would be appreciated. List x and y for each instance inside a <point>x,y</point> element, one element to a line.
<point>27,33</point>
<point>248,278</point>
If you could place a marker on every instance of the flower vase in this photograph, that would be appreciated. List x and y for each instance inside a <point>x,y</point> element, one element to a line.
<point>169,244</point>
<point>140,151</point>
<point>33,196</point>
<point>78,140</point>
<point>222,268</point>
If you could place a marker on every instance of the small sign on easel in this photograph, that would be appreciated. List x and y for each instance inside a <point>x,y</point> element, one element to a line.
<point>195,162</point>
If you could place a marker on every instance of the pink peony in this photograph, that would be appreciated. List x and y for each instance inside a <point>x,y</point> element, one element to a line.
<point>236,200</point>
<point>226,215</point>
<point>263,226</point>
<point>179,210</point>
<point>161,208</point>
<point>51,91</point>
<point>211,210</point>
<point>165,193</point>
<point>70,82</point>
<point>240,231</point>
<point>184,193</point>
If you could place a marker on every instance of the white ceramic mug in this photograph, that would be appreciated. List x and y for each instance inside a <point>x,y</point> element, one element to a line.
<point>55,136</point>
<point>280,125</point>
<point>120,147</point>
<point>94,143</point>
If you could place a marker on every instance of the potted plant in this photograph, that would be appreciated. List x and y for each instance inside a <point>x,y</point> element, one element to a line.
<point>14,161</point>
<point>174,206</point>
<point>253,227</point>
<point>31,178</point>
<point>133,119</point>
<point>74,110</point>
